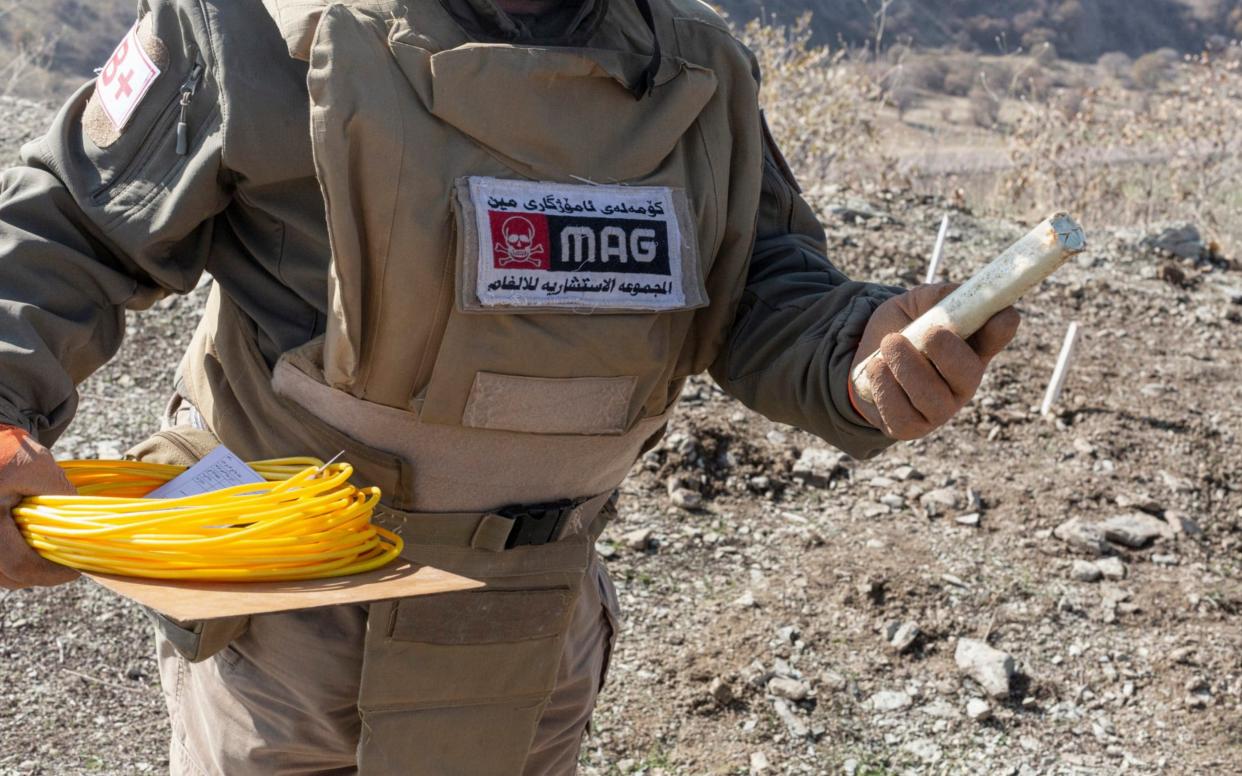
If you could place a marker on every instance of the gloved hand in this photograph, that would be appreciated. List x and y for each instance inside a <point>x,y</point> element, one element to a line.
<point>914,392</point>
<point>27,468</point>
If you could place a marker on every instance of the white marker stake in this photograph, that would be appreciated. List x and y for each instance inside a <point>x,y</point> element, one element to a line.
<point>1058,374</point>
<point>1019,269</point>
<point>934,268</point>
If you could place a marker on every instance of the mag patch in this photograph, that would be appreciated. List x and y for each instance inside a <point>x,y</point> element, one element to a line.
<point>551,246</point>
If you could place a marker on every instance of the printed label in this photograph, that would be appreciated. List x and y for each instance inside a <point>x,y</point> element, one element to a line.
<point>552,245</point>
<point>125,79</point>
<point>219,469</point>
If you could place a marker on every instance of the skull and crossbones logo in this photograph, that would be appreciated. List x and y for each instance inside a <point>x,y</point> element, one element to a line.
<point>518,235</point>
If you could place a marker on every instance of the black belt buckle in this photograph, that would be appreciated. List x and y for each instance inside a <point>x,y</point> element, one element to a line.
<point>535,524</point>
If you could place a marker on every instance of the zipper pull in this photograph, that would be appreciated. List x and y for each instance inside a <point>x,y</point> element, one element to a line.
<point>183,124</point>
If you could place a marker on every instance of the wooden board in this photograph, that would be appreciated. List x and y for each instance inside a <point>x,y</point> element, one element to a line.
<point>183,600</point>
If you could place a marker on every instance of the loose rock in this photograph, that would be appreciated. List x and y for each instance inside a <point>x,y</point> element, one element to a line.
<point>941,710</point>
<point>1183,242</point>
<point>1140,501</point>
<point>1177,484</point>
<point>941,500</point>
<point>721,691</point>
<point>1085,571</point>
<point>796,726</point>
<point>1082,536</point>
<point>687,499</point>
<point>759,764</point>
<point>833,680</point>
<point>1180,523</point>
<point>1134,530</point>
<point>924,749</point>
<point>890,700</point>
<point>991,668</point>
<point>789,689</point>
<point>978,709</point>
<point>639,539</point>
<point>893,501</point>
<point>816,466</point>
<point>904,637</point>
<point>1111,568</point>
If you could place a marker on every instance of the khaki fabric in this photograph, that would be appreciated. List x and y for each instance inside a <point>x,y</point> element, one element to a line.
<point>180,442</point>
<point>86,231</point>
<point>317,190</point>
<point>264,708</point>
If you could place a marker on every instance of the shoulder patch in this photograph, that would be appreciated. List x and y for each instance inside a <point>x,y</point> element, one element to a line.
<point>123,82</point>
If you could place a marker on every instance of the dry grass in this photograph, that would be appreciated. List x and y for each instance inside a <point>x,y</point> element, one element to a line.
<point>1086,139</point>
<point>1136,158</point>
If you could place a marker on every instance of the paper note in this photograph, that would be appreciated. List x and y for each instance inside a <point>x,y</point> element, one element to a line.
<point>219,469</point>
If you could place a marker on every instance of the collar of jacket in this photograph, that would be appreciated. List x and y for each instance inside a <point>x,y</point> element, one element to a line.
<point>570,23</point>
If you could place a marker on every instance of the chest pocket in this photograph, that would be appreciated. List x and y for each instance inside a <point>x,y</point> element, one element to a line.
<point>582,234</point>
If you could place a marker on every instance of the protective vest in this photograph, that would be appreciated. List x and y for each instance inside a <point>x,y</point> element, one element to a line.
<point>527,262</point>
<point>527,259</point>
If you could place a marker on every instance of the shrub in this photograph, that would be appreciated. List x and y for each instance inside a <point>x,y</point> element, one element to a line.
<point>821,107</point>
<point>1168,155</point>
<point>1034,39</point>
<point>926,73</point>
<point>1032,83</point>
<point>1045,53</point>
<point>984,107</point>
<point>961,73</point>
<point>1151,70</point>
<point>903,97</point>
<point>1069,103</point>
<point>1115,64</point>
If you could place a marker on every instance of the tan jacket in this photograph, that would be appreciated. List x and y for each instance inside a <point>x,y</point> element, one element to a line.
<point>95,222</point>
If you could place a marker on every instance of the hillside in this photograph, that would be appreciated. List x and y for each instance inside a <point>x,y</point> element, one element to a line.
<point>806,617</point>
<point>1079,29</point>
<point>759,628</point>
<point>48,47</point>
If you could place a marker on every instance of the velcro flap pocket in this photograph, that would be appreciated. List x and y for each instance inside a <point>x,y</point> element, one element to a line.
<point>485,617</point>
<point>544,405</point>
<point>177,446</point>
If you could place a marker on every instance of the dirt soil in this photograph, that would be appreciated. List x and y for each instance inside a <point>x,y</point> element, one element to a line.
<point>760,625</point>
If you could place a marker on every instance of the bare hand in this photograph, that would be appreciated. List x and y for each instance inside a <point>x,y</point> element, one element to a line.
<point>917,392</point>
<point>27,468</point>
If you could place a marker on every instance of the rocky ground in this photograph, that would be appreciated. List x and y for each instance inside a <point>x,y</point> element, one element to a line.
<point>1015,595</point>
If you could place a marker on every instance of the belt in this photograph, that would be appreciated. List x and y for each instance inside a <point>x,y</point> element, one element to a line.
<point>502,529</point>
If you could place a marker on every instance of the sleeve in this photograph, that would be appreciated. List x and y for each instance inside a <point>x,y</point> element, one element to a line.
<point>110,210</point>
<point>789,349</point>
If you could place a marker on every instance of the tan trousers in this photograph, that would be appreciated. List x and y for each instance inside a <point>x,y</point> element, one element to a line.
<point>282,699</point>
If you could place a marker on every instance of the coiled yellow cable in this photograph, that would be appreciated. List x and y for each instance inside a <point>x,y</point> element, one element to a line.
<point>305,522</point>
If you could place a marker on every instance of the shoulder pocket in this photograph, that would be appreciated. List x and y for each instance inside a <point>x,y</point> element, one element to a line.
<point>141,119</point>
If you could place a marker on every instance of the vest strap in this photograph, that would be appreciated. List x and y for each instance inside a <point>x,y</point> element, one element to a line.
<point>495,531</point>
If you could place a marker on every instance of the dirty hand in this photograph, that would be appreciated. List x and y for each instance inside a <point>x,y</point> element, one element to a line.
<point>27,468</point>
<point>915,392</point>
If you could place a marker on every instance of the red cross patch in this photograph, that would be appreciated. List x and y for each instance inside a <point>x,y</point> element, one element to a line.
<point>125,79</point>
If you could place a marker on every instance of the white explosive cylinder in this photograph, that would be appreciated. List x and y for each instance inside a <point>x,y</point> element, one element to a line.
<point>998,285</point>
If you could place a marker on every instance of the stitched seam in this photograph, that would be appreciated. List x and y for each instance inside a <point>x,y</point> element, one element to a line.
<point>365,365</point>
<point>388,708</point>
